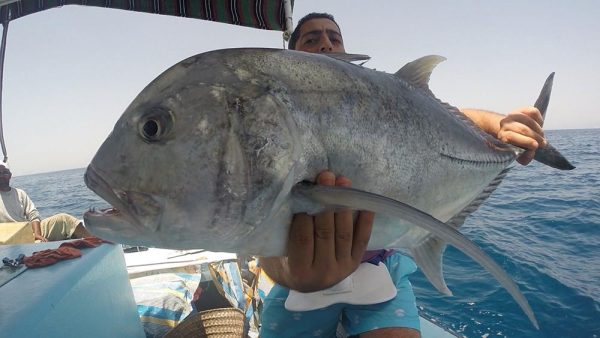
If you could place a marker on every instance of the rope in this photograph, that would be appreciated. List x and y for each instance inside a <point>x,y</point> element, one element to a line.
<point>2,52</point>
<point>289,25</point>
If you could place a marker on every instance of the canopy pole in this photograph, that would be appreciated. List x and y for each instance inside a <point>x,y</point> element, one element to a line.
<point>289,24</point>
<point>2,52</point>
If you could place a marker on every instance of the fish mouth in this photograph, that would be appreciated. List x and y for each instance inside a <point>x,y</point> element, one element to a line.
<point>136,208</point>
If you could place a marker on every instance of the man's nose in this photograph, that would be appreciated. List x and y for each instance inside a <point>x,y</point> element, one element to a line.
<point>326,45</point>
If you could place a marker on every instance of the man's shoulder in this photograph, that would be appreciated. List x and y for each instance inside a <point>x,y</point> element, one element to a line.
<point>19,192</point>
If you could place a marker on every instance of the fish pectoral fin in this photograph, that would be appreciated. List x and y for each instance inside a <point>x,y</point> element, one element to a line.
<point>428,256</point>
<point>311,198</point>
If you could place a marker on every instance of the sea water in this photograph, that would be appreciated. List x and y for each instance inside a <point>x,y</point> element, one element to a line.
<point>541,225</point>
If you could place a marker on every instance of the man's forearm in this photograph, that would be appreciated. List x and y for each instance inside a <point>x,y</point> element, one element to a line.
<point>486,120</point>
<point>36,227</point>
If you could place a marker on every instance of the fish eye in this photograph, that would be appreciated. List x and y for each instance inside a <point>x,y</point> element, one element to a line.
<point>155,125</point>
<point>151,129</point>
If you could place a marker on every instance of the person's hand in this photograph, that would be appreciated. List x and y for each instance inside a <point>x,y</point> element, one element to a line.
<point>39,238</point>
<point>326,248</point>
<point>523,128</point>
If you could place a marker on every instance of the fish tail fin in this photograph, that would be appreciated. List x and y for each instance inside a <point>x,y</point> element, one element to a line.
<point>428,256</point>
<point>548,155</point>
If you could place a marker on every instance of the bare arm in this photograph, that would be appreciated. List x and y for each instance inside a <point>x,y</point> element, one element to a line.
<point>37,231</point>
<point>521,127</point>
<point>322,250</point>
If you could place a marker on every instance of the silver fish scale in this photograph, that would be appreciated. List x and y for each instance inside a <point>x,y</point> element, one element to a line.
<point>373,128</point>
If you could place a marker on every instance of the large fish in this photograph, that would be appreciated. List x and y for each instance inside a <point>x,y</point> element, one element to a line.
<point>210,155</point>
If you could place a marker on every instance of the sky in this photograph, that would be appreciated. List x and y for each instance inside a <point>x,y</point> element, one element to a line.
<point>70,72</point>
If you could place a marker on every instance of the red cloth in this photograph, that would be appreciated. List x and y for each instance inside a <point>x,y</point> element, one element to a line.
<point>67,250</point>
<point>88,242</point>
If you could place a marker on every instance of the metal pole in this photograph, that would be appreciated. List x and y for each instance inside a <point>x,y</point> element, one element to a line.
<point>2,52</point>
<point>289,24</point>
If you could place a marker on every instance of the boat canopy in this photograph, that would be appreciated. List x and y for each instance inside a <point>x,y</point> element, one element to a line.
<point>261,14</point>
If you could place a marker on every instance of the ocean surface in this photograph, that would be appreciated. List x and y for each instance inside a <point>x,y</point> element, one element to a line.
<point>541,225</point>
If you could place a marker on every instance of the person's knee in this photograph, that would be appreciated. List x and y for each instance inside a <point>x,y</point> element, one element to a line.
<point>68,218</point>
<point>81,231</point>
<point>63,218</point>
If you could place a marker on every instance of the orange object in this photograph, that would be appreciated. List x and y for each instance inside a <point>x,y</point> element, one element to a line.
<point>67,250</point>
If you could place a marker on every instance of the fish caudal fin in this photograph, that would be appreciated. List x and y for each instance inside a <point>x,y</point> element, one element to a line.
<point>313,199</point>
<point>548,155</point>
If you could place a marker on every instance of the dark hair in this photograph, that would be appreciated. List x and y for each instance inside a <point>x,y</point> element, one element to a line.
<point>296,33</point>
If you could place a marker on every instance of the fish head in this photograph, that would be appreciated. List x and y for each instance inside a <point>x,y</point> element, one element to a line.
<point>174,168</point>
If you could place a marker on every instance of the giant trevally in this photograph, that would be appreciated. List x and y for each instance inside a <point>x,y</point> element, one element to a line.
<point>210,155</point>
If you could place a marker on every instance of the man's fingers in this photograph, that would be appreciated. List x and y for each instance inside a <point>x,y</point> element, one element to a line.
<point>526,157</point>
<point>523,128</point>
<point>300,250</point>
<point>324,230</point>
<point>531,112</point>
<point>522,123</point>
<point>344,228</point>
<point>362,234</point>
<point>519,140</point>
<point>40,238</point>
<point>521,136</point>
<point>526,122</point>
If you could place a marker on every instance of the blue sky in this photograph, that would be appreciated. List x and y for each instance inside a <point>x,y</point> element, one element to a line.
<point>70,72</point>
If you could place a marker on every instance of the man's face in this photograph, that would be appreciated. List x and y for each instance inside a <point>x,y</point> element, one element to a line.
<point>320,36</point>
<point>5,176</point>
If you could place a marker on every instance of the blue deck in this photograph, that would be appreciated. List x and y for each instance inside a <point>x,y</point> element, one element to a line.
<point>88,296</point>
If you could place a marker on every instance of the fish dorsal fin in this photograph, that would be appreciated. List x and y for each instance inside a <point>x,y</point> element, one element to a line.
<point>418,72</point>
<point>349,57</point>
<point>459,219</point>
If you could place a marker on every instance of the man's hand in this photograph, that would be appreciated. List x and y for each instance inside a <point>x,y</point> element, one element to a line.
<point>523,128</point>
<point>322,249</point>
<point>40,238</point>
<point>37,231</point>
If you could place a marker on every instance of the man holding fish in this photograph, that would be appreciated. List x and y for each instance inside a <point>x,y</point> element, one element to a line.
<point>325,249</point>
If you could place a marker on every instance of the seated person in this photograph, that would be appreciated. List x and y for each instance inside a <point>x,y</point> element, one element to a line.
<point>16,206</point>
